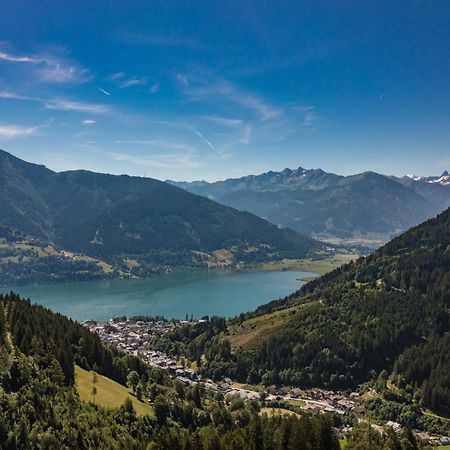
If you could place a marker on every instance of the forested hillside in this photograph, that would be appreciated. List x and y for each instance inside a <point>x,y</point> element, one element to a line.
<point>24,259</point>
<point>40,409</point>
<point>387,313</point>
<point>138,225</point>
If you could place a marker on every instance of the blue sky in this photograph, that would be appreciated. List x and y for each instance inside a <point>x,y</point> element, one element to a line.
<point>210,90</point>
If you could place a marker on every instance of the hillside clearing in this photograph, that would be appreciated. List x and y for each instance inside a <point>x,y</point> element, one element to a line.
<point>250,331</point>
<point>109,393</point>
<point>277,412</point>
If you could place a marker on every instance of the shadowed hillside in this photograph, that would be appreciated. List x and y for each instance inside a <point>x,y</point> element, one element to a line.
<point>137,223</point>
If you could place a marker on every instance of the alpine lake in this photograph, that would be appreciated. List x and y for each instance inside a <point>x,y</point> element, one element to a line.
<point>196,293</point>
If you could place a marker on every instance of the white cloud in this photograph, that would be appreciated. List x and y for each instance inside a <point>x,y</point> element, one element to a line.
<point>50,69</point>
<point>182,79</point>
<point>309,119</point>
<point>244,128</point>
<point>154,89</point>
<point>161,160</point>
<point>246,136</point>
<point>57,72</point>
<point>88,122</point>
<point>13,58</point>
<point>62,104</point>
<point>209,88</point>
<point>14,96</point>
<point>117,76</point>
<point>121,79</point>
<point>223,121</point>
<point>157,160</point>
<point>135,81</point>
<point>14,131</point>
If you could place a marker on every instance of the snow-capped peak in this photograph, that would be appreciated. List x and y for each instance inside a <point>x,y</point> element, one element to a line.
<point>414,177</point>
<point>444,179</point>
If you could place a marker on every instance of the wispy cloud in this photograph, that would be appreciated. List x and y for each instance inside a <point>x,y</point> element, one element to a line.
<point>134,81</point>
<point>123,81</point>
<point>14,58</point>
<point>63,104</point>
<point>57,72</point>
<point>254,119</point>
<point>225,121</point>
<point>247,132</point>
<point>117,76</point>
<point>15,131</point>
<point>60,104</point>
<point>307,113</point>
<point>154,89</point>
<point>245,129</point>
<point>88,122</point>
<point>49,68</point>
<point>182,79</point>
<point>163,160</point>
<point>158,160</point>
<point>158,143</point>
<point>203,88</point>
<point>14,96</point>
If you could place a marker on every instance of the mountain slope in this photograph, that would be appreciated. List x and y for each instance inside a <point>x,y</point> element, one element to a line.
<point>372,314</point>
<point>120,217</point>
<point>320,204</point>
<point>41,409</point>
<point>387,312</point>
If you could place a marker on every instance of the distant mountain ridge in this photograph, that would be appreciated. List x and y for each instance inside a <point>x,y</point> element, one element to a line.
<point>444,179</point>
<point>135,223</point>
<point>325,205</point>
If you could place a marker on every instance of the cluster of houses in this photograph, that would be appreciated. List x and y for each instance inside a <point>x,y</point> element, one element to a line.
<point>128,334</point>
<point>132,336</point>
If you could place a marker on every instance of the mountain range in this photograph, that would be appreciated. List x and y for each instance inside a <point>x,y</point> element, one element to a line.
<point>367,207</point>
<point>131,223</point>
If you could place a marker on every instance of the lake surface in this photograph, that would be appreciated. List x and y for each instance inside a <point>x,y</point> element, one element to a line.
<point>215,292</point>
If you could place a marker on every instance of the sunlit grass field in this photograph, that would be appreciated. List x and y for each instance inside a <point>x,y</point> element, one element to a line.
<point>109,393</point>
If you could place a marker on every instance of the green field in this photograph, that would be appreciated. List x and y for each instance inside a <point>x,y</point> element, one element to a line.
<point>252,330</point>
<point>320,266</point>
<point>277,412</point>
<point>109,393</point>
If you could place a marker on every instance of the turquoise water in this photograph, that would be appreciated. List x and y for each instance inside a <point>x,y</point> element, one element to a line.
<point>202,292</point>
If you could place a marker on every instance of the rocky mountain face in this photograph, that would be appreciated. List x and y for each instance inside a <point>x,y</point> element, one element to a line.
<point>367,206</point>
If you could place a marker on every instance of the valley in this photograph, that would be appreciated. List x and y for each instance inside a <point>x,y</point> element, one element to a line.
<point>224,225</point>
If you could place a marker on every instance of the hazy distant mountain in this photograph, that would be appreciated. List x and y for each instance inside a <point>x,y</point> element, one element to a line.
<point>317,203</point>
<point>120,217</point>
<point>436,189</point>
